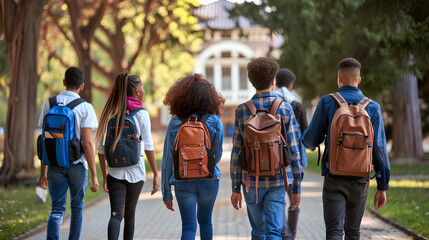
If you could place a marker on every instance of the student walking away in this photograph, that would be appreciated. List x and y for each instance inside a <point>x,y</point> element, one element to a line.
<point>285,80</point>
<point>192,149</point>
<point>66,148</point>
<point>355,140</point>
<point>124,137</point>
<point>265,141</point>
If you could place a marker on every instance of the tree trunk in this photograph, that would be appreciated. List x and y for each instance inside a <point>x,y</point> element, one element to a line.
<point>407,127</point>
<point>85,66</point>
<point>21,27</point>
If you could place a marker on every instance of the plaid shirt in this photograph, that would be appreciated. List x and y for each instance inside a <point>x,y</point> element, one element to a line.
<point>242,113</point>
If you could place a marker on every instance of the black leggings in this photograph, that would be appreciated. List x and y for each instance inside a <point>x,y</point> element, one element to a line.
<point>123,197</point>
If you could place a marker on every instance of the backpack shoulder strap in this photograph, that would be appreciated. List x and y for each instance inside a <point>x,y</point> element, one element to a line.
<point>337,96</point>
<point>132,113</point>
<point>75,102</point>
<point>53,101</point>
<point>249,104</point>
<point>204,117</point>
<point>364,102</point>
<point>275,106</point>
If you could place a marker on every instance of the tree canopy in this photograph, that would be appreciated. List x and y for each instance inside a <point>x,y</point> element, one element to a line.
<point>387,37</point>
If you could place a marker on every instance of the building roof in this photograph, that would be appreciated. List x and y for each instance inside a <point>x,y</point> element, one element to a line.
<point>216,16</point>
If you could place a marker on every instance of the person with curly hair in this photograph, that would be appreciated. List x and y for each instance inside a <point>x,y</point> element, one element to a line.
<point>192,95</point>
<point>265,195</point>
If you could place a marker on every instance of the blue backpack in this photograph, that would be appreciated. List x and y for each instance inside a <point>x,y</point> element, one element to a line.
<point>58,145</point>
<point>127,151</point>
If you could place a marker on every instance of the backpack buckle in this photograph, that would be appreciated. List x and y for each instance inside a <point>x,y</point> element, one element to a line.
<point>270,143</point>
<point>256,146</point>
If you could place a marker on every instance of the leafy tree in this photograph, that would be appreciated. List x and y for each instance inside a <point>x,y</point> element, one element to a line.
<point>20,27</point>
<point>139,36</point>
<point>390,38</point>
<point>76,21</point>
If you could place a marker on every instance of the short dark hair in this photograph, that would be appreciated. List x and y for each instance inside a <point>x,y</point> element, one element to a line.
<point>73,77</point>
<point>261,72</point>
<point>350,64</point>
<point>193,94</point>
<point>284,78</point>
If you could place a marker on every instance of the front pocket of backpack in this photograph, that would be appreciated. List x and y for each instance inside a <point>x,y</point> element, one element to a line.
<point>193,157</point>
<point>126,153</point>
<point>353,153</point>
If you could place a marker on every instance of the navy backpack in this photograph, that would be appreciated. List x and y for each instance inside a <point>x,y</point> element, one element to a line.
<point>127,151</point>
<point>58,145</point>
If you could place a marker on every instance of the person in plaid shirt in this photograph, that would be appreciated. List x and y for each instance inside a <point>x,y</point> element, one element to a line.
<point>265,213</point>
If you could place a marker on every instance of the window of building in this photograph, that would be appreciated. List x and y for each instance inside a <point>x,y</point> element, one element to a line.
<point>226,77</point>
<point>209,74</point>
<point>243,78</point>
<point>226,55</point>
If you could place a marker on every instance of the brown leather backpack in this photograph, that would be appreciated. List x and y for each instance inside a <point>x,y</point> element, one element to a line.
<point>193,154</point>
<point>351,138</point>
<point>264,149</point>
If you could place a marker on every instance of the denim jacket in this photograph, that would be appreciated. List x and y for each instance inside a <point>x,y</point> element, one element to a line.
<point>215,127</point>
<point>320,127</point>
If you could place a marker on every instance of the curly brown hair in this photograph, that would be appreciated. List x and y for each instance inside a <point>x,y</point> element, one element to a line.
<point>193,94</point>
<point>261,72</point>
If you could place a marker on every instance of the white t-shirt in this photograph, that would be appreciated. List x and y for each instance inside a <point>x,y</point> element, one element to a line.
<point>84,116</point>
<point>134,173</point>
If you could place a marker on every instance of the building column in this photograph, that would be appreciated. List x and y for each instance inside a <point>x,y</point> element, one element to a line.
<point>235,79</point>
<point>217,76</point>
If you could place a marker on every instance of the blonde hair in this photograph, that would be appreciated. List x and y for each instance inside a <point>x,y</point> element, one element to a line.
<point>116,105</point>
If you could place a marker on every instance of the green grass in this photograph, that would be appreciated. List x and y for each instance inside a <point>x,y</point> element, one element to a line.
<point>19,213</point>
<point>407,203</point>
<point>312,162</point>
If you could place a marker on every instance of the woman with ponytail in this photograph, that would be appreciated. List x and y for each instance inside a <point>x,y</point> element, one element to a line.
<point>124,184</point>
<point>195,96</point>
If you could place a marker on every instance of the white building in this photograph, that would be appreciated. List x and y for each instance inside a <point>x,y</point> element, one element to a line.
<point>228,45</point>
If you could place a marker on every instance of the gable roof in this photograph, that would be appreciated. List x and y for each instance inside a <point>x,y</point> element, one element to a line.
<point>216,16</point>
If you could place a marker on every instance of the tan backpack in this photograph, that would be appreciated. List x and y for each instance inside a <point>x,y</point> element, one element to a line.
<point>264,145</point>
<point>193,154</point>
<point>351,138</point>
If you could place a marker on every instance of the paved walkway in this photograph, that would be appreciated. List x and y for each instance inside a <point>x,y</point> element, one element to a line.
<point>155,222</point>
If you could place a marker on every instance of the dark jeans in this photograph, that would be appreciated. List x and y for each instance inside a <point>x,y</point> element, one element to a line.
<point>290,221</point>
<point>344,201</point>
<point>123,197</point>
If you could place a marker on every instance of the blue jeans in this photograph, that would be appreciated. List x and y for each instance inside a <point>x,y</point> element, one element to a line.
<point>266,216</point>
<point>196,201</point>
<point>59,180</point>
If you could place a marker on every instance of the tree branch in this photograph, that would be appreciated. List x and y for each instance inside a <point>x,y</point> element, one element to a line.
<point>101,44</point>
<point>95,20</point>
<point>106,73</point>
<point>99,87</point>
<point>59,26</point>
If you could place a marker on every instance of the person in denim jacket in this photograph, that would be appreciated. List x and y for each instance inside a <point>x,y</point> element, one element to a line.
<point>344,197</point>
<point>192,95</point>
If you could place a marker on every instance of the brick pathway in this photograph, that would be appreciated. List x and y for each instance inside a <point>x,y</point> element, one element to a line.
<point>155,222</point>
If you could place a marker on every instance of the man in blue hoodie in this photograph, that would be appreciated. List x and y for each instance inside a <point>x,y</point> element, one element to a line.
<point>285,79</point>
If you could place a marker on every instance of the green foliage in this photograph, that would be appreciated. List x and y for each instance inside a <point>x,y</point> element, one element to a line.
<point>388,37</point>
<point>406,204</point>
<point>154,43</point>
